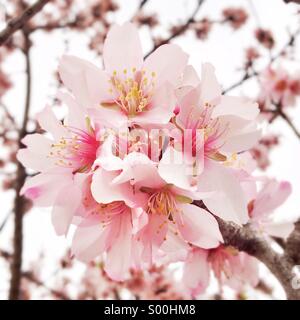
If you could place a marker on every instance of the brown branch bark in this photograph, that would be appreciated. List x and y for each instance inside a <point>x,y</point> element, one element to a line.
<point>294,1</point>
<point>17,23</point>
<point>245,239</point>
<point>245,77</point>
<point>292,250</point>
<point>19,202</point>
<point>279,113</point>
<point>180,30</point>
<point>285,117</point>
<point>142,4</point>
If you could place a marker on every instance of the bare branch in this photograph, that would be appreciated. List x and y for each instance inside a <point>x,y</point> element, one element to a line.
<point>32,278</point>
<point>279,113</point>
<point>293,245</point>
<point>180,30</point>
<point>247,75</point>
<point>245,239</point>
<point>285,117</point>
<point>19,203</point>
<point>294,1</point>
<point>17,23</point>
<point>142,4</point>
<point>8,114</point>
<point>2,225</point>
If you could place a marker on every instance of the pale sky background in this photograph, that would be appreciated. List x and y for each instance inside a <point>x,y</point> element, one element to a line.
<point>224,49</point>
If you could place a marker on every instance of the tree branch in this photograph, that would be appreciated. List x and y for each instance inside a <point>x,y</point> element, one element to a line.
<point>295,1</point>
<point>293,245</point>
<point>30,277</point>
<point>278,112</point>
<point>19,202</point>
<point>285,117</point>
<point>180,30</point>
<point>17,23</point>
<point>142,4</point>
<point>247,75</point>
<point>245,239</point>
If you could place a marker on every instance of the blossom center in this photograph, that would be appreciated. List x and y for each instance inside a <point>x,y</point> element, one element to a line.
<point>162,202</point>
<point>214,131</point>
<point>78,150</point>
<point>132,90</point>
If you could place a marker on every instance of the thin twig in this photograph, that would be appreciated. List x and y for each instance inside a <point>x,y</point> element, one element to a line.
<point>5,221</point>
<point>285,117</point>
<point>279,113</point>
<point>288,44</point>
<point>30,277</point>
<point>294,1</point>
<point>247,75</point>
<point>53,26</point>
<point>142,4</point>
<point>17,23</point>
<point>180,30</point>
<point>8,114</point>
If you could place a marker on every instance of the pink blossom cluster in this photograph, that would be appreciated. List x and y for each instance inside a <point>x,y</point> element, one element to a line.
<point>143,142</point>
<point>154,283</point>
<point>261,151</point>
<point>278,86</point>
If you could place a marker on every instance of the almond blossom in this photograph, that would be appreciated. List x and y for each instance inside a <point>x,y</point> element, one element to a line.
<point>217,127</point>
<point>280,87</point>
<point>261,208</point>
<point>166,209</point>
<point>106,228</point>
<point>141,142</point>
<point>231,267</point>
<point>62,160</point>
<point>128,90</point>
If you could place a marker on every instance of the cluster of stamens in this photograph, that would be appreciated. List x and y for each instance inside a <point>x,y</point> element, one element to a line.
<point>213,130</point>
<point>219,259</point>
<point>163,202</point>
<point>77,150</point>
<point>105,212</point>
<point>132,90</point>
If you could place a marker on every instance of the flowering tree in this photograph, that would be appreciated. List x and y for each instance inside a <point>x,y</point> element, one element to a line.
<point>148,161</point>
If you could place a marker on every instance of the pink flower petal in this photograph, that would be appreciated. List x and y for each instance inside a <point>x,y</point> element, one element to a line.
<point>64,210</point>
<point>236,106</point>
<point>90,240</point>
<point>118,258</point>
<point>36,155</point>
<point>174,161</point>
<point>198,227</point>
<point>210,88</point>
<point>122,49</point>
<point>105,192</point>
<point>50,123</point>
<point>88,83</point>
<point>161,107</point>
<point>196,272</point>
<point>228,202</point>
<point>167,62</point>
<point>48,185</point>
